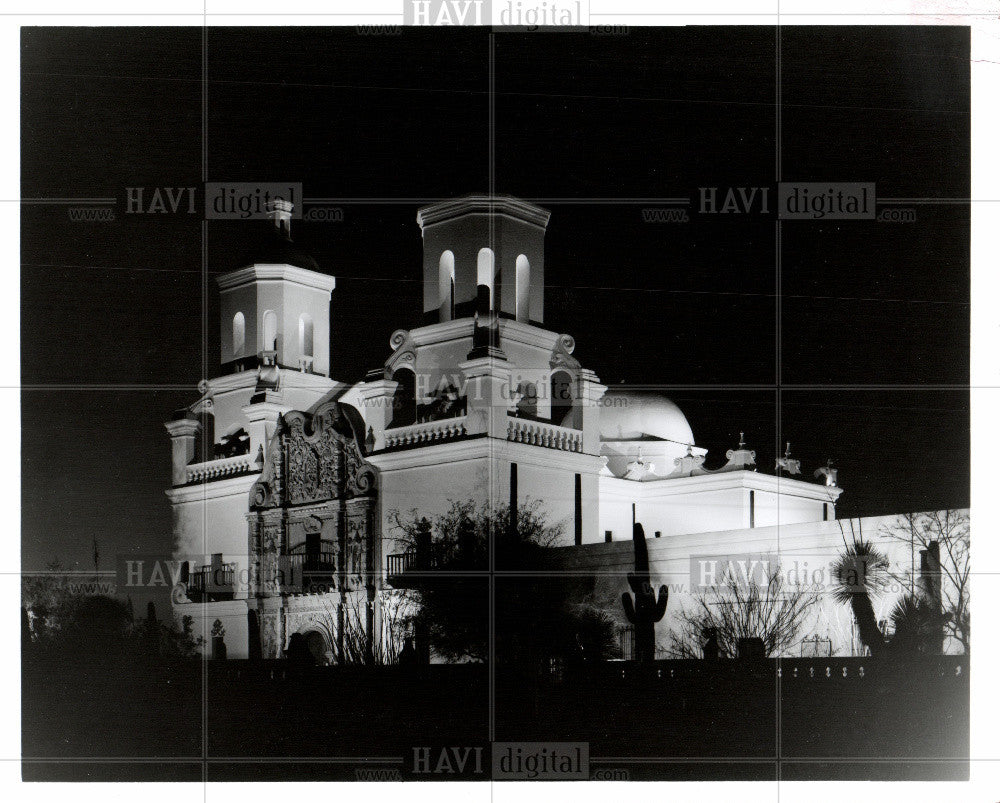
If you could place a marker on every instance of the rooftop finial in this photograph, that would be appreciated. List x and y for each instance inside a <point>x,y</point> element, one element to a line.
<point>829,472</point>
<point>740,458</point>
<point>787,463</point>
<point>280,211</point>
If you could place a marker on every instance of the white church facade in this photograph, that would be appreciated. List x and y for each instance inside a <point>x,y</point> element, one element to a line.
<point>286,481</point>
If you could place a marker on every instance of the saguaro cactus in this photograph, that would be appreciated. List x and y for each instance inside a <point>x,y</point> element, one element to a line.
<point>648,607</point>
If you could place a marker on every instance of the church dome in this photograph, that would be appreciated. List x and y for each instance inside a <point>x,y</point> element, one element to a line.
<point>634,416</point>
<point>271,242</point>
<point>277,250</point>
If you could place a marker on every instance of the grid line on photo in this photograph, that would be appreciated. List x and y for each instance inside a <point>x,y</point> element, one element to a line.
<point>204,382</point>
<point>492,603</point>
<point>778,377</point>
<point>206,15</point>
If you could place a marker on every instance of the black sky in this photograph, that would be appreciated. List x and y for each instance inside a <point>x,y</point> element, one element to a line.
<point>872,360</point>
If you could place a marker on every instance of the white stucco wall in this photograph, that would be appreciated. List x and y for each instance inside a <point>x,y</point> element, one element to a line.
<point>428,487</point>
<point>805,550</point>
<point>710,503</point>
<point>213,516</point>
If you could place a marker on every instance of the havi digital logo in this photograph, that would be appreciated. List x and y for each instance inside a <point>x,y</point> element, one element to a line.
<point>530,761</point>
<point>446,12</point>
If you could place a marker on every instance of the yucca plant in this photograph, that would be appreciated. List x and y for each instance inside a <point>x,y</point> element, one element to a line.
<point>861,571</point>
<point>917,627</point>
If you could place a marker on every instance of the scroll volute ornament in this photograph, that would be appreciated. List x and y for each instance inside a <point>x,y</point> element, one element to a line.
<point>562,353</point>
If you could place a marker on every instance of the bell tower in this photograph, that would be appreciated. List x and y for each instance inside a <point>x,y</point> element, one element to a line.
<point>276,310</point>
<point>484,254</point>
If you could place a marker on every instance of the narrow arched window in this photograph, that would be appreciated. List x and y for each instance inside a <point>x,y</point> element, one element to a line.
<point>305,335</point>
<point>404,400</point>
<point>206,438</point>
<point>239,335</point>
<point>485,272</point>
<point>270,342</point>
<point>562,399</point>
<point>522,284</point>
<point>446,286</point>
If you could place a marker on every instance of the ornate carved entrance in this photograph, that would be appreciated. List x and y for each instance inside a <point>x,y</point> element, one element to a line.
<point>312,541</point>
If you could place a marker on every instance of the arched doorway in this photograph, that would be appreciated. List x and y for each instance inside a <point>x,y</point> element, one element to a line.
<point>318,648</point>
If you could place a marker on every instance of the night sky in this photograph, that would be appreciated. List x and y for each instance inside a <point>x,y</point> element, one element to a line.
<point>853,345</point>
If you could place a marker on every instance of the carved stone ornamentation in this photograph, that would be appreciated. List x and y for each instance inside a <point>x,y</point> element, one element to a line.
<point>321,620</point>
<point>740,458</point>
<point>269,639</point>
<point>315,479</point>
<point>271,537</point>
<point>312,459</point>
<point>562,353</point>
<point>403,352</point>
<point>398,338</point>
<point>360,476</point>
<point>178,594</point>
<point>355,548</point>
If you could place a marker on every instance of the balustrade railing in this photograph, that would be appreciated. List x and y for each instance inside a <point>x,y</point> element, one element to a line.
<point>222,468</point>
<point>213,581</point>
<point>549,436</point>
<point>306,570</point>
<point>413,560</point>
<point>445,429</point>
<point>313,561</point>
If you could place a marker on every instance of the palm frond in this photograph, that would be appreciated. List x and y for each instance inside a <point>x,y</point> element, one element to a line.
<point>861,569</point>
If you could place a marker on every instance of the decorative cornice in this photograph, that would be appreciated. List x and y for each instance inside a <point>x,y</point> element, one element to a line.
<point>181,427</point>
<point>440,332</point>
<point>202,491</point>
<point>288,273</point>
<point>510,331</point>
<point>714,481</point>
<point>238,380</point>
<point>505,205</point>
<point>469,448</point>
<point>528,334</point>
<point>481,447</point>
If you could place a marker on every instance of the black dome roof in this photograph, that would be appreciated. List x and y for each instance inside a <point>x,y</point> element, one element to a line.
<point>272,246</point>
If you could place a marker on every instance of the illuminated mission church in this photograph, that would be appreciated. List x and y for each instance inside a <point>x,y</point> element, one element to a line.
<point>285,480</point>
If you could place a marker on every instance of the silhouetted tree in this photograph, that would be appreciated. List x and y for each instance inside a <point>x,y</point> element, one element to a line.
<point>950,530</point>
<point>68,623</point>
<point>741,608</point>
<point>862,571</point>
<point>532,615</point>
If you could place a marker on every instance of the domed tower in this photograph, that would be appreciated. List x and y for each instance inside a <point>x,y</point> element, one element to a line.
<point>275,358</point>
<point>482,402</point>
<point>646,430</point>
<point>276,309</point>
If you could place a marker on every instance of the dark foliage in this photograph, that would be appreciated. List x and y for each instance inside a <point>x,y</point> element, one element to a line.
<point>531,615</point>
